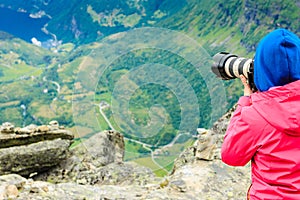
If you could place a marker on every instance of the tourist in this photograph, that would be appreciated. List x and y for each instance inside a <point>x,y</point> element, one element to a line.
<point>265,127</point>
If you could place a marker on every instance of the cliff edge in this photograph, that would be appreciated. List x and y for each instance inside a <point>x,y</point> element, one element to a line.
<point>101,173</point>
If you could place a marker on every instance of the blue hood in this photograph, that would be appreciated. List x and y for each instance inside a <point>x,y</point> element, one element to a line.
<point>277,60</point>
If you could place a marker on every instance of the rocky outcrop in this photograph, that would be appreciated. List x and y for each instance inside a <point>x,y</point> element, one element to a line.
<point>95,170</point>
<point>208,145</point>
<point>27,189</point>
<point>98,161</point>
<point>202,175</point>
<point>32,149</point>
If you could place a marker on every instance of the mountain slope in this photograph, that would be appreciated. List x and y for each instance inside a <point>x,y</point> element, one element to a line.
<point>83,21</point>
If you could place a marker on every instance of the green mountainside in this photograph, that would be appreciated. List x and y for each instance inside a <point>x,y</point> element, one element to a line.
<point>39,85</point>
<point>83,21</point>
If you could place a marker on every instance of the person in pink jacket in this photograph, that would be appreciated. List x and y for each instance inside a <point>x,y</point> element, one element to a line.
<point>265,127</point>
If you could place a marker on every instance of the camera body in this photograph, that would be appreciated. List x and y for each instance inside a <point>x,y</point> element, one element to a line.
<point>229,66</point>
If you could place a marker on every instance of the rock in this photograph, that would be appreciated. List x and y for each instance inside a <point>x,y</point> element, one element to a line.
<point>212,180</point>
<point>95,170</point>
<point>36,190</point>
<point>26,130</point>
<point>11,191</point>
<point>198,173</point>
<point>205,146</point>
<point>19,130</point>
<point>31,127</point>
<point>99,161</point>
<point>38,187</point>
<point>185,157</point>
<point>13,179</point>
<point>117,174</point>
<point>219,129</point>
<point>32,149</point>
<point>7,128</point>
<point>71,191</point>
<point>178,185</point>
<point>54,125</point>
<point>43,128</point>
<point>203,172</point>
<point>10,185</point>
<point>102,148</point>
<point>2,192</point>
<point>36,157</point>
<point>21,138</point>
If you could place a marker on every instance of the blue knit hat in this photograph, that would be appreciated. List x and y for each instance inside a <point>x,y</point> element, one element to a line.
<point>277,60</point>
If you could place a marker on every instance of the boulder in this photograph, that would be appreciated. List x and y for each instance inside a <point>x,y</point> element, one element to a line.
<point>35,157</point>
<point>102,148</point>
<point>7,127</point>
<point>10,137</point>
<point>27,150</point>
<point>98,161</point>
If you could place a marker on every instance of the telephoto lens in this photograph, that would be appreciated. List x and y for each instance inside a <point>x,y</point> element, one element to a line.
<point>229,66</point>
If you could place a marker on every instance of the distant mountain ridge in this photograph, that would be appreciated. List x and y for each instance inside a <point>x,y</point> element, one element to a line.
<point>84,21</point>
<point>81,21</point>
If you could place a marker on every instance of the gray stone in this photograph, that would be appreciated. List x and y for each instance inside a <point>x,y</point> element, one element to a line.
<point>205,146</point>
<point>11,192</point>
<point>19,138</point>
<point>117,174</point>
<point>103,148</point>
<point>13,179</point>
<point>36,157</point>
<point>54,125</point>
<point>7,128</point>
<point>178,185</point>
<point>99,159</point>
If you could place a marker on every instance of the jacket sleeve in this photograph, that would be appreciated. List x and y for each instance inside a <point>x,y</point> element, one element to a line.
<point>240,141</point>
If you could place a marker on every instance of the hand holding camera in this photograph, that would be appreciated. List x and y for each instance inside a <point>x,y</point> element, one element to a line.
<point>247,88</point>
<point>228,66</point>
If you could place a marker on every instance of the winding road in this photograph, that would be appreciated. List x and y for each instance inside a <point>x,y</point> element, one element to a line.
<point>53,82</point>
<point>103,105</point>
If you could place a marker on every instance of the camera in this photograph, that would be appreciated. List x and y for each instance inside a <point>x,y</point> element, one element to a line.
<point>229,66</point>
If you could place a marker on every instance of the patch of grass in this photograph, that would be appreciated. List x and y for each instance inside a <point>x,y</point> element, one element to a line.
<point>8,104</point>
<point>18,72</point>
<point>80,131</point>
<point>134,150</point>
<point>102,123</point>
<point>147,162</point>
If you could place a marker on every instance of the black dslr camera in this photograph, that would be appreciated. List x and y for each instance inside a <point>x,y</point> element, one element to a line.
<point>229,66</point>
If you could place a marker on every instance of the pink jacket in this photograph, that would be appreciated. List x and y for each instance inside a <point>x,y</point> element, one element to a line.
<point>265,129</point>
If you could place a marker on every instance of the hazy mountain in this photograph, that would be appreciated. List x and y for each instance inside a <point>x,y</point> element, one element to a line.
<point>82,21</point>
